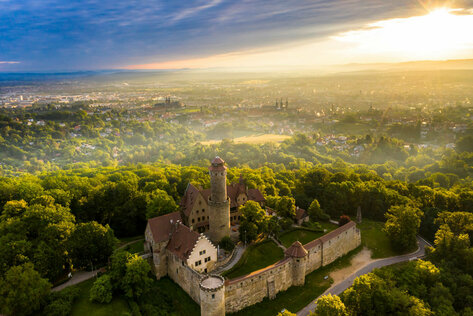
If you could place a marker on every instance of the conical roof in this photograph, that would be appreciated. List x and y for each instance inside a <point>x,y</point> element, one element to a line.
<point>296,250</point>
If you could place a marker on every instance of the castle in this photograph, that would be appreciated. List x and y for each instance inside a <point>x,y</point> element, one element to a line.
<point>180,249</point>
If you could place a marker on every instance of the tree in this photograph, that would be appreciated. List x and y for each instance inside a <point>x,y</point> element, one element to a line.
<point>252,221</point>
<point>329,305</point>
<point>160,203</point>
<point>102,290</point>
<point>402,225</point>
<point>117,268</point>
<point>227,243</point>
<point>286,207</point>
<point>22,290</point>
<point>316,213</point>
<point>136,278</point>
<point>286,313</point>
<point>91,244</point>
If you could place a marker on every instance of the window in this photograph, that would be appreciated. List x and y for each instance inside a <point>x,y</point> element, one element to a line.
<point>207,259</point>
<point>193,220</point>
<point>198,219</point>
<point>198,263</point>
<point>205,270</point>
<point>213,296</point>
<point>202,253</point>
<point>197,211</point>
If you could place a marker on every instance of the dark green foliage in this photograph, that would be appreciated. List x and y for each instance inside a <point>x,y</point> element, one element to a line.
<point>102,290</point>
<point>344,219</point>
<point>60,303</point>
<point>226,243</point>
<point>90,245</point>
<point>22,290</point>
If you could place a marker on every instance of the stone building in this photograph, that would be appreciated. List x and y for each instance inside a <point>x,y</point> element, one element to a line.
<point>196,203</point>
<point>188,257</point>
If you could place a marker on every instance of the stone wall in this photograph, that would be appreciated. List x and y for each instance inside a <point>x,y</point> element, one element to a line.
<point>187,278</point>
<point>253,288</point>
<point>267,282</point>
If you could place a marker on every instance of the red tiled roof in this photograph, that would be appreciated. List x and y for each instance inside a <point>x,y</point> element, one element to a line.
<point>300,213</point>
<point>329,235</point>
<point>161,227</point>
<point>254,273</point>
<point>296,250</point>
<point>255,195</point>
<point>182,241</point>
<point>189,198</point>
<point>217,164</point>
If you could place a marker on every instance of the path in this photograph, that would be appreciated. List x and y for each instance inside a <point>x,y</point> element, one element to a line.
<point>338,288</point>
<point>77,277</point>
<point>81,276</point>
<point>240,249</point>
<point>278,243</point>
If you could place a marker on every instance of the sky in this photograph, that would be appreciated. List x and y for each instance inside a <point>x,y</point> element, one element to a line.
<point>58,35</point>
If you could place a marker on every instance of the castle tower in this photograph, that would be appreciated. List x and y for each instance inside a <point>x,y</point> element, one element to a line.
<point>299,261</point>
<point>212,296</point>
<point>219,203</point>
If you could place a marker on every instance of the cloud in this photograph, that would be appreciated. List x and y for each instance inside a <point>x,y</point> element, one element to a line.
<point>9,62</point>
<point>186,13</point>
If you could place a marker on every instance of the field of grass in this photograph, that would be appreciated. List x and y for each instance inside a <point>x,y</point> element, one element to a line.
<point>135,247</point>
<point>255,257</point>
<point>83,306</point>
<point>374,238</point>
<point>297,297</point>
<point>164,294</point>
<point>124,240</point>
<point>303,235</point>
<point>253,139</point>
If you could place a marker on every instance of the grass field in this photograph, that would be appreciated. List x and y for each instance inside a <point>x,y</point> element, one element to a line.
<point>374,238</point>
<point>136,247</point>
<point>303,235</point>
<point>83,306</point>
<point>255,257</point>
<point>296,297</point>
<point>164,294</point>
<point>253,139</point>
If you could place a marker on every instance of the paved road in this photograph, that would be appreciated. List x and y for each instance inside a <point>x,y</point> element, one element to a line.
<point>77,277</point>
<point>236,257</point>
<point>338,288</point>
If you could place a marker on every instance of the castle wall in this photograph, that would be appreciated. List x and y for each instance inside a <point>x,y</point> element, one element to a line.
<point>314,258</point>
<point>340,245</point>
<point>187,278</point>
<point>252,289</point>
<point>158,252</point>
<point>267,282</point>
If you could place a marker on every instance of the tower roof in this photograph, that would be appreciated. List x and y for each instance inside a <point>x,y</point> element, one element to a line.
<point>296,250</point>
<point>217,164</point>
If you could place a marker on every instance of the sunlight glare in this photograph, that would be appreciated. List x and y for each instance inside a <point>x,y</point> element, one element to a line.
<point>439,34</point>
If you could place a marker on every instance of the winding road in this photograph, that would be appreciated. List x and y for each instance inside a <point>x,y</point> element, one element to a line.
<point>338,288</point>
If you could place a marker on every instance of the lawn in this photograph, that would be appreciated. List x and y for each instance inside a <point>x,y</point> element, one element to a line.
<point>297,297</point>
<point>164,294</point>
<point>303,235</point>
<point>135,247</point>
<point>83,306</point>
<point>374,238</point>
<point>253,139</point>
<point>124,240</point>
<point>256,257</point>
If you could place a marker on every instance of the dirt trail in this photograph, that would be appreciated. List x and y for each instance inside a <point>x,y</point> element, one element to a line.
<point>361,259</point>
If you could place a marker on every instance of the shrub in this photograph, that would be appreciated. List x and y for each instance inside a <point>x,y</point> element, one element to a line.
<point>226,243</point>
<point>102,290</point>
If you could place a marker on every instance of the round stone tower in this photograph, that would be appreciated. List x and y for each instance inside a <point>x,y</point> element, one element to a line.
<point>212,296</point>
<point>219,203</point>
<point>299,262</point>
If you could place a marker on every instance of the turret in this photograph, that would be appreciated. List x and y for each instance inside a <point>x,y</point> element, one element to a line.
<point>299,261</point>
<point>212,296</point>
<point>219,203</point>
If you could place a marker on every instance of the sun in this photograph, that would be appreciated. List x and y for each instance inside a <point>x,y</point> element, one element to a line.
<point>442,33</point>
